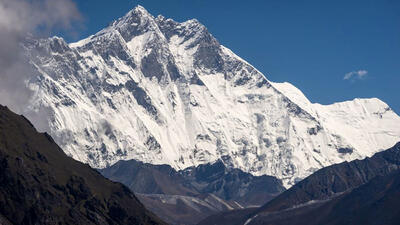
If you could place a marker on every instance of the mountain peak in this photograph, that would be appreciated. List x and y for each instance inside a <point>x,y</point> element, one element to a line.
<point>135,22</point>
<point>139,10</point>
<point>143,80</point>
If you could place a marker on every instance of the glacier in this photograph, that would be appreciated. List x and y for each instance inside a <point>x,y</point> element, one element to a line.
<point>164,92</point>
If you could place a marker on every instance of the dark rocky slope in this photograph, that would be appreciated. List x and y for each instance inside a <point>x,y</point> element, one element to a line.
<point>39,184</point>
<point>375,203</point>
<point>335,179</point>
<point>324,190</point>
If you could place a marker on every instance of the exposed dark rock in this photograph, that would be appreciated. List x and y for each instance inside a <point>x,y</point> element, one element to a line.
<point>168,27</point>
<point>110,88</point>
<point>263,83</point>
<point>173,71</point>
<point>196,80</point>
<point>242,81</point>
<point>152,144</point>
<point>151,67</point>
<point>141,97</point>
<point>208,54</point>
<point>345,150</point>
<point>314,130</point>
<point>58,45</point>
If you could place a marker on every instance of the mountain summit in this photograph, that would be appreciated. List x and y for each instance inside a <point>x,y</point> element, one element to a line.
<point>164,92</point>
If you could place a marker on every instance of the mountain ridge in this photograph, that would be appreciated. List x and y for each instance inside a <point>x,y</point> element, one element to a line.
<point>191,195</point>
<point>228,184</point>
<point>165,92</point>
<point>314,200</point>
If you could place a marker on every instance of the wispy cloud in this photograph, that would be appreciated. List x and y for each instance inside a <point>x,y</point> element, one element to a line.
<point>18,18</point>
<point>360,74</point>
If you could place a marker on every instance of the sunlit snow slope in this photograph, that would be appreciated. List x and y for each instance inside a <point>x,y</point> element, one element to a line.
<point>160,91</point>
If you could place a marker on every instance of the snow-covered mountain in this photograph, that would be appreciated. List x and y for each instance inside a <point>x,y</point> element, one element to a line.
<point>160,91</point>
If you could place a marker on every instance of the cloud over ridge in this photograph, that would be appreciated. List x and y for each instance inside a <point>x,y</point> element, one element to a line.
<point>18,19</point>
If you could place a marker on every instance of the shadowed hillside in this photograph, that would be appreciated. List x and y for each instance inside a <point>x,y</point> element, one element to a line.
<point>39,184</point>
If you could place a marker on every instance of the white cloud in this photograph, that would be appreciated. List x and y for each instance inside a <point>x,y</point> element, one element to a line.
<point>18,18</point>
<point>360,74</point>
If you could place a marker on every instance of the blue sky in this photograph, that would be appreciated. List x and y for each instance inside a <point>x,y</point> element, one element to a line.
<point>314,45</point>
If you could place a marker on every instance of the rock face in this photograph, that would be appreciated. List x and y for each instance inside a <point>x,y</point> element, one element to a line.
<point>189,196</point>
<point>358,192</point>
<point>39,184</point>
<point>164,92</point>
